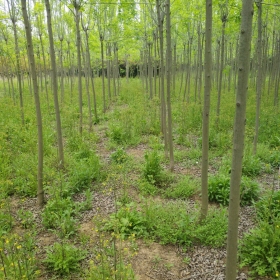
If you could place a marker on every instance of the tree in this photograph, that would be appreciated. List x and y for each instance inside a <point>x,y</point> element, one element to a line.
<point>168,83</point>
<point>259,76</point>
<point>206,109</point>
<point>160,18</point>
<point>239,136</point>
<point>14,19</point>
<point>40,191</point>
<point>55,86</point>
<point>77,4</point>
<point>224,18</point>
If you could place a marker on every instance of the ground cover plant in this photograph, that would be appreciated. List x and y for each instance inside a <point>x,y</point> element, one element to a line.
<point>115,197</point>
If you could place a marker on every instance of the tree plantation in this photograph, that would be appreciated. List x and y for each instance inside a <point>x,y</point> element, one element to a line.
<point>139,139</point>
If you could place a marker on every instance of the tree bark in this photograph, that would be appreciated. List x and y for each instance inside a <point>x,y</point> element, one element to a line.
<point>55,87</point>
<point>168,84</point>
<point>239,136</point>
<point>221,68</point>
<point>160,18</point>
<point>77,7</point>
<point>206,110</point>
<point>259,76</point>
<point>18,71</point>
<point>40,191</point>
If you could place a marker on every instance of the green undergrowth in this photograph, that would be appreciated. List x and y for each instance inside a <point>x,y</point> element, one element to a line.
<point>260,248</point>
<point>219,190</point>
<point>169,223</point>
<point>131,119</point>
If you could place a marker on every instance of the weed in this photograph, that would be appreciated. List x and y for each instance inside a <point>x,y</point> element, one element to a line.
<point>260,248</point>
<point>268,207</point>
<point>157,259</point>
<point>268,155</point>
<point>6,219</point>
<point>146,188</point>
<point>169,223</point>
<point>64,258</point>
<point>87,204</point>
<point>219,189</point>
<point>186,260</point>
<point>112,254</point>
<point>26,218</point>
<point>212,231</point>
<point>155,143</point>
<point>185,188</point>
<point>249,191</point>
<point>251,165</point>
<point>25,177</point>
<point>59,214</point>
<point>168,266</point>
<point>152,170</point>
<point>83,172</point>
<point>126,221</point>
<point>119,156</point>
<point>17,257</point>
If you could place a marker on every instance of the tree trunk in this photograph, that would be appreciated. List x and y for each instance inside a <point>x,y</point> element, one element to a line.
<point>259,76</point>
<point>40,191</point>
<point>206,110</point>
<point>103,71</point>
<point>150,69</point>
<point>55,86</point>
<point>221,68</point>
<point>168,84</point>
<point>238,136</point>
<point>77,7</point>
<point>108,46</point>
<point>162,95</point>
<point>13,17</point>
<point>61,70</point>
<point>45,68</point>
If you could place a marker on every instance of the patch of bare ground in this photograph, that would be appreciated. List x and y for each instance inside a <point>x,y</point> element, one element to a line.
<point>155,261</point>
<point>269,181</point>
<point>137,152</point>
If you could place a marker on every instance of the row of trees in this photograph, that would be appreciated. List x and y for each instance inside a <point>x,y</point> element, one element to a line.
<point>166,44</point>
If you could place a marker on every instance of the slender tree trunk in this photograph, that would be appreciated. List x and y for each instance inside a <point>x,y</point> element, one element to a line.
<point>61,70</point>
<point>150,69</point>
<point>189,79</point>
<point>259,76</point>
<point>90,73</point>
<point>40,191</point>
<point>168,84</point>
<point>218,62</point>
<point>197,62</point>
<point>45,68</point>
<point>77,7</point>
<point>183,68</point>
<point>162,94</point>
<point>224,20</point>
<point>155,63</point>
<point>108,45</point>
<point>13,17</point>
<point>55,87</point>
<point>235,65</point>
<point>103,71</point>
<point>200,68</point>
<point>239,136</point>
<point>174,67</point>
<point>115,68</point>
<point>206,110</point>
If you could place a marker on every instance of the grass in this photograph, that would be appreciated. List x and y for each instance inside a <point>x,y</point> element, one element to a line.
<point>144,199</point>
